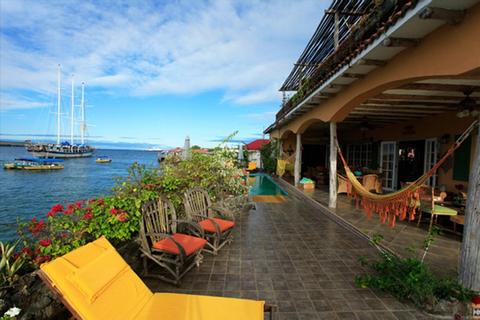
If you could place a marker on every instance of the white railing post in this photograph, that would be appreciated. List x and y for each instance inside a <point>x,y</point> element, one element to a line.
<point>298,159</point>
<point>332,194</point>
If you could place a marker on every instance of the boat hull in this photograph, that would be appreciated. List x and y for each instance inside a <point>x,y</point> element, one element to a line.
<point>61,155</point>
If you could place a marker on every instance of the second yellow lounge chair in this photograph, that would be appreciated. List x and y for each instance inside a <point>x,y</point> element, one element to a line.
<point>94,282</point>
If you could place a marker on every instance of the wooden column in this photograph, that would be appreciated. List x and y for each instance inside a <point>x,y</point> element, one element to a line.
<point>298,159</point>
<point>469,273</point>
<point>332,190</point>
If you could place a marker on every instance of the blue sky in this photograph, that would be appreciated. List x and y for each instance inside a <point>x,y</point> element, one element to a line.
<point>155,71</point>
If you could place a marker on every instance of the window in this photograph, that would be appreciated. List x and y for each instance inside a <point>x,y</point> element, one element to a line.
<point>359,155</point>
<point>461,161</point>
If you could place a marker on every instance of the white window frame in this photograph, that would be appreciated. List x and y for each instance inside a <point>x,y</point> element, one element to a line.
<point>390,166</point>
<point>430,158</point>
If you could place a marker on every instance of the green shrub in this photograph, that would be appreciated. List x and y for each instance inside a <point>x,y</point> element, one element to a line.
<point>409,278</point>
<point>269,154</point>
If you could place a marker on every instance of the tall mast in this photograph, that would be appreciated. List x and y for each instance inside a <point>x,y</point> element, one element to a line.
<point>73,110</point>
<point>59,102</point>
<point>82,124</point>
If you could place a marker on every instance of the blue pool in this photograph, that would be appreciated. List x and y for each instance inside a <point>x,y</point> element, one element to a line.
<point>262,184</point>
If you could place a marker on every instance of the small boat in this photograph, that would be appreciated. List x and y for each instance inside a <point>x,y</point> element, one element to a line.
<point>103,160</point>
<point>34,164</point>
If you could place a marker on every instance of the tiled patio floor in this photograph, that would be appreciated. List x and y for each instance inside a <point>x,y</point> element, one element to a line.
<point>443,254</point>
<point>292,255</point>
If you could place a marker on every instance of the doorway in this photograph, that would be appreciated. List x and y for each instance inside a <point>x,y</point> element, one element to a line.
<point>411,161</point>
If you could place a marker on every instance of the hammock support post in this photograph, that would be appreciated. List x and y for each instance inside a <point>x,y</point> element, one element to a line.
<point>298,160</point>
<point>332,188</point>
<point>469,273</point>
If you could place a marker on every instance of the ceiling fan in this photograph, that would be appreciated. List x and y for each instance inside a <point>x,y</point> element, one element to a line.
<point>468,106</point>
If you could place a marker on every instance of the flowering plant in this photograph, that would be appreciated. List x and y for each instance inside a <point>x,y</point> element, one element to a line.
<point>68,227</point>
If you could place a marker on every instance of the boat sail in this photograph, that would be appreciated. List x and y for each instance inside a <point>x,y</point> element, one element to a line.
<point>65,149</point>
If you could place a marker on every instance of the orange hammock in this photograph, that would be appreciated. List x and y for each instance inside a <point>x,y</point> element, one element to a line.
<point>399,203</point>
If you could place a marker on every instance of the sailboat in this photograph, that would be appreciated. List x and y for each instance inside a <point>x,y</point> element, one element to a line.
<point>64,149</point>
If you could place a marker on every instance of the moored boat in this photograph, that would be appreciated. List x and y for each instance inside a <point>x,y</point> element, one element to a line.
<point>34,164</point>
<point>65,149</point>
<point>103,159</point>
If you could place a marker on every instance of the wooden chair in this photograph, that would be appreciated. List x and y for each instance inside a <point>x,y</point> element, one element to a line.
<point>198,208</point>
<point>95,283</point>
<point>176,253</point>
<point>342,184</point>
<point>432,204</point>
<point>370,182</point>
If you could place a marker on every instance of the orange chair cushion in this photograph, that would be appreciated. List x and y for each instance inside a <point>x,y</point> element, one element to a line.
<point>208,225</point>
<point>189,243</point>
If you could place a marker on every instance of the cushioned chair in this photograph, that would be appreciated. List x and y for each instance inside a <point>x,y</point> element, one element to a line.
<point>431,204</point>
<point>95,283</point>
<point>162,242</point>
<point>217,224</point>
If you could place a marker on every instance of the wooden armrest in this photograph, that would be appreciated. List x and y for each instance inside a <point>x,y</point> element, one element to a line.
<point>195,225</point>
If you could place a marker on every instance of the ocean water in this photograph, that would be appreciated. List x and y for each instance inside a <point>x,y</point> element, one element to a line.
<point>26,194</point>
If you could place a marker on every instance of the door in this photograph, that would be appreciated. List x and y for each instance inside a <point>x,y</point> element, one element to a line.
<point>431,154</point>
<point>388,164</point>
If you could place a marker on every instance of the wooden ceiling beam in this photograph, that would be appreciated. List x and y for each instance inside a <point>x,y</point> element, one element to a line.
<point>449,16</point>
<point>414,97</point>
<point>439,87</point>
<point>353,75</point>
<point>388,113</point>
<point>400,110</point>
<point>413,103</point>
<point>400,42</point>
<point>371,62</point>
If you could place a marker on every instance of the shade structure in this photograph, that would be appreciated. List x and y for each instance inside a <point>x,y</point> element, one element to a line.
<point>186,154</point>
<point>240,152</point>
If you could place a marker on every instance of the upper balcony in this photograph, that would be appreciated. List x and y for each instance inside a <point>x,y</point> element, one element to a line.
<point>347,28</point>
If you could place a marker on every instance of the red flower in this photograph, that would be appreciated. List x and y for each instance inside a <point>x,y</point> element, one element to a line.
<point>122,217</point>
<point>51,214</point>
<point>100,202</point>
<point>45,242</point>
<point>114,211</point>
<point>92,201</point>
<point>36,227</point>
<point>27,251</point>
<point>78,204</point>
<point>87,216</point>
<point>57,208</point>
<point>69,211</point>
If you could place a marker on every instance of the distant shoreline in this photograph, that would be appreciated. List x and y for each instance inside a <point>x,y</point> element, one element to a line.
<point>11,144</point>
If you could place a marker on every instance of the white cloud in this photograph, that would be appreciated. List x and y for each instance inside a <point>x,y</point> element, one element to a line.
<point>245,48</point>
<point>12,102</point>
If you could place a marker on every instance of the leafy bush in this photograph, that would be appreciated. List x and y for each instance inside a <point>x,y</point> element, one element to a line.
<point>67,228</point>
<point>410,279</point>
<point>215,172</point>
<point>269,155</point>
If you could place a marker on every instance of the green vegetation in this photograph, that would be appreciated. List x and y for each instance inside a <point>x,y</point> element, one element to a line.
<point>409,278</point>
<point>10,263</point>
<point>269,154</point>
<point>117,217</point>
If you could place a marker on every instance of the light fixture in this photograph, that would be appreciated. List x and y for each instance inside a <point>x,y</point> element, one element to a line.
<point>468,106</point>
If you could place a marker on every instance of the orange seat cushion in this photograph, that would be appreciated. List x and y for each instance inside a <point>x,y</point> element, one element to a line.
<point>208,225</point>
<point>190,244</point>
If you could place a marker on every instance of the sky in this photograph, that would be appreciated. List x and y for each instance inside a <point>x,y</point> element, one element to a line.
<point>154,71</point>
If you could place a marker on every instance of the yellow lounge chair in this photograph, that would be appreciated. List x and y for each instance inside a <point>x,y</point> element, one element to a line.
<point>94,282</point>
<point>252,165</point>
